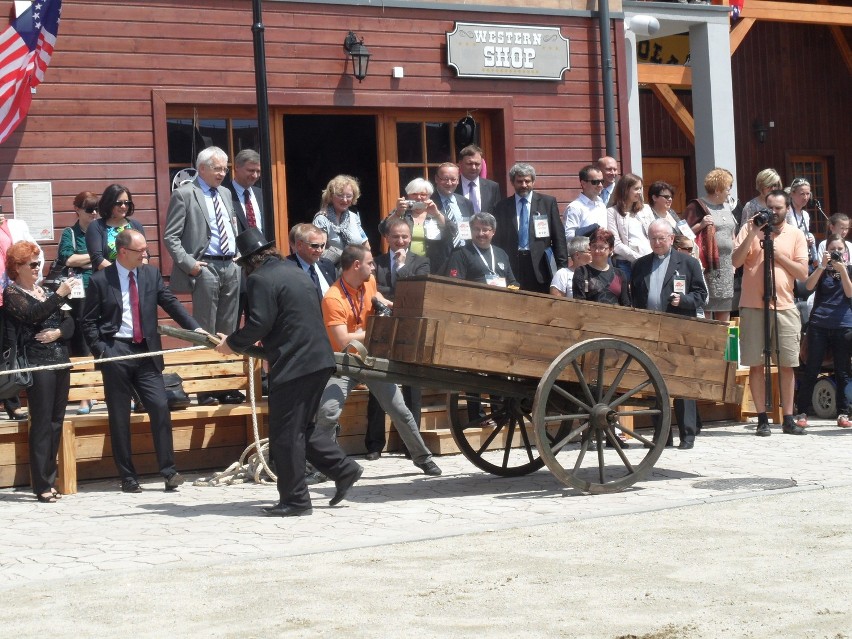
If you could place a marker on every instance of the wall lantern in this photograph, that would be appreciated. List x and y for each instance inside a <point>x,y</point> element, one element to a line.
<point>359,53</point>
<point>760,130</point>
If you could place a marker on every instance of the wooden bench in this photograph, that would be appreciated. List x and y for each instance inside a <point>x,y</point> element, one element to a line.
<point>204,436</point>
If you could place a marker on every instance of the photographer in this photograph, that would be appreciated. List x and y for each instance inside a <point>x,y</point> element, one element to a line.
<point>785,326</point>
<point>830,326</point>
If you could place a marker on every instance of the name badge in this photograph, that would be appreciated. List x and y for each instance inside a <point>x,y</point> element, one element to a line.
<point>464,229</point>
<point>494,280</point>
<point>680,284</point>
<point>684,229</point>
<point>542,229</point>
<point>430,228</point>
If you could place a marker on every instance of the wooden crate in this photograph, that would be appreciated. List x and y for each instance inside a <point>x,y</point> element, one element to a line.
<point>449,323</point>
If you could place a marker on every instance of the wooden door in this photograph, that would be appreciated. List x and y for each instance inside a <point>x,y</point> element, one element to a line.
<point>669,170</point>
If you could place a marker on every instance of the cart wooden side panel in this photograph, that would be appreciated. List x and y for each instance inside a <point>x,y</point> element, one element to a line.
<point>448,323</point>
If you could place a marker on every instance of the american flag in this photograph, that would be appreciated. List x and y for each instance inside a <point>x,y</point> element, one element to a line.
<point>25,49</point>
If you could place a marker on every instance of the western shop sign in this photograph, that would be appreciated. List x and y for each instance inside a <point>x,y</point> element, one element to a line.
<point>504,51</point>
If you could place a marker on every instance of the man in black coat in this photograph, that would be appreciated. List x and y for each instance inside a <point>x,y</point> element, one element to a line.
<point>528,224</point>
<point>120,318</point>
<point>284,315</point>
<point>672,282</point>
<point>485,193</point>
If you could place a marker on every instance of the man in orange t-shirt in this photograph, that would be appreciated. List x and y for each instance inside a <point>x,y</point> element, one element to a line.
<point>791,264</point>
<point>345,309</point>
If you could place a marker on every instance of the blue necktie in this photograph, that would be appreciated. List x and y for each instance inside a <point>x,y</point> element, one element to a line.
<point>524,226</point>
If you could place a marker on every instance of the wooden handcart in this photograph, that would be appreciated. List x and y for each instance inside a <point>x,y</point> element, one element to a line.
<point>536,380</point>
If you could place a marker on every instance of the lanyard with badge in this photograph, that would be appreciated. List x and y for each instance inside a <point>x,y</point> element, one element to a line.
<point>540,225</point>
<point>349,299</point>
<point>491,278</point>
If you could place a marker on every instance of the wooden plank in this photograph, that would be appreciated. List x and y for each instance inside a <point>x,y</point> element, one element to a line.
<point>675,108</point>
<point>740,31</point>
<point>670,74</point>
<point>798,12</point>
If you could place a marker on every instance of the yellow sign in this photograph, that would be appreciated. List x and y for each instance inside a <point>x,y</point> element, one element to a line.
<point>669,50</point>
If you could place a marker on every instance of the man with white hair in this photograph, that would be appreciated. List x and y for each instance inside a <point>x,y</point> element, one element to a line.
<point>200,235</point>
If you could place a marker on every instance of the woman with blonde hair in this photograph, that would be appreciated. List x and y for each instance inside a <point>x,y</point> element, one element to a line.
<point>713,223</point>
<point>766,181</point>
<point>628,219</point>
<point>338,220</point>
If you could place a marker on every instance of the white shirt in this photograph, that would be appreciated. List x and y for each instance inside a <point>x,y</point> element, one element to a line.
<point>240,190</point>
<point>126,329</point>
<point>564,281</point>
<point>584,212</point>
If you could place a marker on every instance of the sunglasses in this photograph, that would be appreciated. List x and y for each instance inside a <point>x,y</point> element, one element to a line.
<point>30,264</point>
<point>123,203</point>
<point>686,249</point>
<point>91,209</point>
<point>317,247</point>
<point>595,182</point>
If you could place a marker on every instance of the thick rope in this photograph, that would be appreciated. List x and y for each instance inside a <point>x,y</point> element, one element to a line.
<point>103,360</point>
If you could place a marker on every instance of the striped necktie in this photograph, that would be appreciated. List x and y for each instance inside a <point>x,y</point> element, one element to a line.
<point>224,238</point>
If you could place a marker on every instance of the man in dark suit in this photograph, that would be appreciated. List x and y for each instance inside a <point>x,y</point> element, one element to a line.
<point>528,224</point>
<point>120,318</point>
<point>397,264</point>
<point>307,243</point>
<point>247,199</point>
<point>200,236</point>
<point>483,194</point>
<point>285,316</point>
<point>672,282</point>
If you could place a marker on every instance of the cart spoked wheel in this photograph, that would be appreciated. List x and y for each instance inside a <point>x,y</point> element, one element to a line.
<point>587,392</point>
<point>823,399</point>
<point>499,439</point>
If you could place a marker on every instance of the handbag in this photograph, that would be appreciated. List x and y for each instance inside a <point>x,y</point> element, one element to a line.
<point>58,270</point>
<point>175,394</point>
<point>13,357</point>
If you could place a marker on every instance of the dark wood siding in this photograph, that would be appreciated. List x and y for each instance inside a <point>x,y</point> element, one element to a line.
<point>794,76</point>
<point>92,121</point>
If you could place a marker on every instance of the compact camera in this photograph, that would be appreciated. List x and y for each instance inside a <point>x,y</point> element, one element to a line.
<point>762,217</point>
<point>836,256</point>
<point>415,205</point>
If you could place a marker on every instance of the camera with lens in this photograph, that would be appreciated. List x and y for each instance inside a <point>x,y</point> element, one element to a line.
<point>836,256</point>
<point>415,205</point>
<point>762,217</point>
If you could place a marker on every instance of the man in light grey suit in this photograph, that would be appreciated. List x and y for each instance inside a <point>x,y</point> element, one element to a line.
<point>200,235</point>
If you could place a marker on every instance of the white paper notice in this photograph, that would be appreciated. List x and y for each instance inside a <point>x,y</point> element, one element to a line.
<point>33,203</point>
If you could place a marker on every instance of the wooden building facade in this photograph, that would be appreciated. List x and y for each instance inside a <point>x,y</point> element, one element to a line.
<point>128,80</point>
<point>791,84</point>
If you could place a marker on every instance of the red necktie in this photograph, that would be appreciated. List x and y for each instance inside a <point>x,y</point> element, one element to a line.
<point>134,310</point>
<point>252,221</point>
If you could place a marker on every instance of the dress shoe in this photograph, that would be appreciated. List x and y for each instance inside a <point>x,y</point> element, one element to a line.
<point>763,430</point>
<point>208,401</point>
<point>790,428</point>
<point>429,468</point>
<point>686,445</point>
<point>621,441</point>
<point>173,482</point>
<point>315,477</point>
<point>372,456</point>
<point>18,415</point>
<point>344,484</point>
<point>232,397</point>
<point>286,510</point>
<point>130,486</point>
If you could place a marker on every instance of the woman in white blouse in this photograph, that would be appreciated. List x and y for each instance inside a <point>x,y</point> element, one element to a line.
<point>628,218</point>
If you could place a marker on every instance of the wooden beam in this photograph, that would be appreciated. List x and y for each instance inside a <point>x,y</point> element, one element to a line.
<point>675,108</point>
<point>843,45</point>
<point>801,13</point>
<point>673,74</point>
<point>739,32</point>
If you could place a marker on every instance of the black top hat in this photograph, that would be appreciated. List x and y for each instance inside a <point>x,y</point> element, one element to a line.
<point>465,132</point>
<point>250,242</point>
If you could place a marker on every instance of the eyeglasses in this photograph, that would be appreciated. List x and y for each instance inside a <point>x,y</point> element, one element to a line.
<point>123,203</point>
<point>91,209</point>
<point>316,247</point>
<point>144,250</point>
<point>219,169</point>
<point>595,182</point>
<point>344,196</point>
<point>686,249</point>
<point>448,178</point>
<point>599,248</point>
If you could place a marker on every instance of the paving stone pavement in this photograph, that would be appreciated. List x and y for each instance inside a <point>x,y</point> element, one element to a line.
<point>101,529</point>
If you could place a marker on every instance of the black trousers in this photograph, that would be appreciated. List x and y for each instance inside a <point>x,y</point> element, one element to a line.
<point>293,439</point>
<point>120,380</point>
<point>48,397</point>
<point>374,438</point>
<point>526,275</point>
